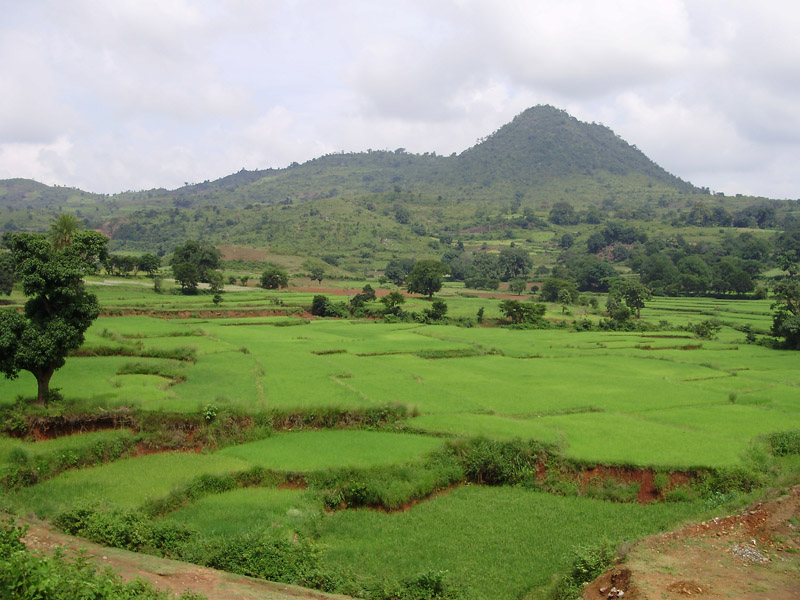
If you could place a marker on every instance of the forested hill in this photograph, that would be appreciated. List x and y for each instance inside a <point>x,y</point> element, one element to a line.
<point>544,143</point>
<point>383,199</point>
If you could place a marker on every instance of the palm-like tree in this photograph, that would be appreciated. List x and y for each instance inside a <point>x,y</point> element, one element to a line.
<point>62,228</point>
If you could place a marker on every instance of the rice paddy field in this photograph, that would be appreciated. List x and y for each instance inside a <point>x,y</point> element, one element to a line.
<point>663,400</point>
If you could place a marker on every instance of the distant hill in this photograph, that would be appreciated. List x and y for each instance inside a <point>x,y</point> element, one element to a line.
<point>381,203</point>
<point>545,143</point>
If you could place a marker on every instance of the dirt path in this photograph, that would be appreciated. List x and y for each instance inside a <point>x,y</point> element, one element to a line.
<point>170,575</point>
<point>754,555</point>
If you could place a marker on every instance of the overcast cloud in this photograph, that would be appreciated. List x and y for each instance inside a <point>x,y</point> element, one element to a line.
<point>133,94</point>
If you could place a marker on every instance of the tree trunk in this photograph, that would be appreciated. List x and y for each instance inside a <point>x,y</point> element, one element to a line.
<point>43,380</point>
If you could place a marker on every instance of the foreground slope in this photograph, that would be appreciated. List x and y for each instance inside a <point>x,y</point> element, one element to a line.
<point>170,575</point>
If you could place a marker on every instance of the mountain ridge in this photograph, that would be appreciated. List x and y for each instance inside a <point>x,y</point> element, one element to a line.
<point>542,142</point>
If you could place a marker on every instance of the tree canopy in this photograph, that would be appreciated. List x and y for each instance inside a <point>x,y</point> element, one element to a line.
<point>274,277</point>
<point>58,311</point>
<point>62,228</point>
<point>6,273</point>
<point>426,277</point>
<point>194,262</point>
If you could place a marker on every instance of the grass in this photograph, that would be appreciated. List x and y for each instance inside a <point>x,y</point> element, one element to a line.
<point>126,483</point>
<point>330,449</point>
<point>241,511</point>
<point>509,540</point>
<point>659,398</point>
<point>65,444</point>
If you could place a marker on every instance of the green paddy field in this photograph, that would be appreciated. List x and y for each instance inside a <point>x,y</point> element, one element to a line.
<point>658,400</point>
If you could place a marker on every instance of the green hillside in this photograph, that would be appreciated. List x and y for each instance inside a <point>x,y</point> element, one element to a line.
<point>374,205</point>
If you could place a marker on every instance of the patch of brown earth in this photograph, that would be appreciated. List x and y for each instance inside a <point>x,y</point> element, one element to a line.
<point>644,477</point>
<point>753,555</point>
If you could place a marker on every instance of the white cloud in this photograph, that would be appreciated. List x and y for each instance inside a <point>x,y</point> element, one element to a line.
<point>139,93</point>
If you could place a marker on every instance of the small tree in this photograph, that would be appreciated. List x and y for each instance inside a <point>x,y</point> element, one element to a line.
<point>202,256</point>
<point>187,275</point>
<point>514,263</point>
<point>564,299</point>
<point>392,303</point>
<point>517,286</point>
<point>315,268</point>
<point>631,293</point>
<point>149,263</point>
<point>437,311</point>
<point>274,277</point>
<point>58,311</point>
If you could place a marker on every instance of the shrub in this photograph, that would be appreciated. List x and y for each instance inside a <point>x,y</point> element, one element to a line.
<point>24,575</point>
<point>784,443</point>
<point>613,490</point>
<point>495,462</point>
<point>587,564</point>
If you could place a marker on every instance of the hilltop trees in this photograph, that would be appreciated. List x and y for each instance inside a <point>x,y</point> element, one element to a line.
<point>58,311</point>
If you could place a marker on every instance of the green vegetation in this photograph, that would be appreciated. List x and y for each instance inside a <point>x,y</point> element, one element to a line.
<point>24,574</point>
<point>712,410</point>
<point>58,311</point>
<point>311,451</point>
<point>589,324</point>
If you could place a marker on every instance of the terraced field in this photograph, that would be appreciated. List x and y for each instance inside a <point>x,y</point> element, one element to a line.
<point>660,400</point>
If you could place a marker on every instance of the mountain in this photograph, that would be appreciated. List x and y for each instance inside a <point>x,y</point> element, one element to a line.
<point>545,143</point>
<point>380,203</point>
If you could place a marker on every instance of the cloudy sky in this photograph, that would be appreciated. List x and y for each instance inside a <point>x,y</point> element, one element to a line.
<point>111,95</point>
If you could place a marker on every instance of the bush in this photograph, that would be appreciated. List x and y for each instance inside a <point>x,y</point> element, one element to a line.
<point>588,563</point>
<point>321,306</point>
<point>784,443</point>
<point>27,576</point>
<point>268,555</point>
<point>494,462</point>
<point>613,490</point>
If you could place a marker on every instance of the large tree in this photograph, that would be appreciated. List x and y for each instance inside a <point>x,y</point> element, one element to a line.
<point>6,273</point>
<point>274,277</point>
<point>514,263</point>
<point>629,292</point>
<point>194,262</point>
<point>786,318</point>
<point>426,277</point>
<point>58,311</point>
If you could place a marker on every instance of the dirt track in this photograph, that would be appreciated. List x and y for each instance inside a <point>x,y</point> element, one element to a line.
<point>171,575</point>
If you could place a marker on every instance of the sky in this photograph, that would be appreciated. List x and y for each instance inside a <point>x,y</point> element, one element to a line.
<point>116,95</point>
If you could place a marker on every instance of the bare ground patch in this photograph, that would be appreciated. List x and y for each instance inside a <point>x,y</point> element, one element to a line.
<point>754,555</point>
